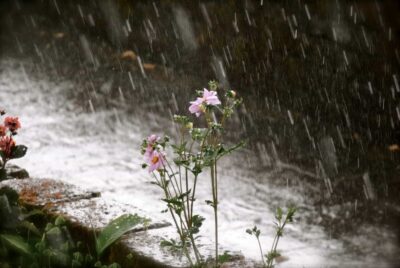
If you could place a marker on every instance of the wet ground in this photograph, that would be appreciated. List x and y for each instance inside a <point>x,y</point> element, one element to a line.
<point>320,88</point>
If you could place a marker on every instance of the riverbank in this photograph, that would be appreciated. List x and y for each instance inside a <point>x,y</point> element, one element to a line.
<point>80,109</point>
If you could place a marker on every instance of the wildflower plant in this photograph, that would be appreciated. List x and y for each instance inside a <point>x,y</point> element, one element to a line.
<point>8,148</point>
<point>197,149</point>
<point>281,221</point>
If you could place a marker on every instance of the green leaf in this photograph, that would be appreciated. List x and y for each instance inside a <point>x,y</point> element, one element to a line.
<point>197,222</point>
<point>278,214</point>
<point>115,229</point>
<point>175,201</point>
<point>18,243</point>
<point>10,194</point>
<point>59,221</point>
<point>78,256</point>
<point>18,151</point>
<point>55,231</point>
<point>224,257</point>
<point>290,214</point>
<point>30,227</point>
<point>180,162</point>
<point>114,265</point>
<point>3,174</point>
<point>222,151</point>
<point>258,232</point>
<point>31,213</point>
<point>171,244</point>
<point>183,195</point>
<point>210,203</point>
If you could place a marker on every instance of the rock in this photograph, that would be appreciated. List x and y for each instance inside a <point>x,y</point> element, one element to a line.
<point>87,213</point>
<point>46,192</point>
<point>16,172</point>
<point>97,212</point>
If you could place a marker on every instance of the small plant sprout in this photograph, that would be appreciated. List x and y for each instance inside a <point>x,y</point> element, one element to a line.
<point>197,149</point>
<point>280,224</point>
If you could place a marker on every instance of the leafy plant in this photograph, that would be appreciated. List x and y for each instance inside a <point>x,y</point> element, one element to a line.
<point>23,244</point>
<point>8,149</point>
<point>280,225</point>
<point>115,229</point>
<point>197,149</point>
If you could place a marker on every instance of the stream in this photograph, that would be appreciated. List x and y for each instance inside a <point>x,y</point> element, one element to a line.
<point>90,80</point>
<point>97,152</point>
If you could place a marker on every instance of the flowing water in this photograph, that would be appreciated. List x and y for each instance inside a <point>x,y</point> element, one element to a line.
<point>97,147</point>
<point>95,151</point>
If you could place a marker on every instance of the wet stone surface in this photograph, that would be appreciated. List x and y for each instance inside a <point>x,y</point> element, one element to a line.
<point>42,192</point>
<point>146,244</point>
<point>87,212</point>
<point>98,212</point>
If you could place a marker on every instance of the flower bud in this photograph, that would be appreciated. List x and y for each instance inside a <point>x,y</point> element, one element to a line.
<point>189,125</point>
<point>231,93</point>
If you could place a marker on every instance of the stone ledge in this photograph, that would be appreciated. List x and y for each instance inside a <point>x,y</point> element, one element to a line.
<point>43,192</point>
<point>97,213</point>
<point>87,213</point>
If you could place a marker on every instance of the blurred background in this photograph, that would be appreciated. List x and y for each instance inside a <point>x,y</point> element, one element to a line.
<point>320,83</point>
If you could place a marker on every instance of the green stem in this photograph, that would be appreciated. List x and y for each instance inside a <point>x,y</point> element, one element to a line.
<point>262,256</point>
<point>195,249</point>
<point>176,190</point>
<point>179,230</point>
<point>214,184</point>
<point>193,194</point>
<point>187,197</point>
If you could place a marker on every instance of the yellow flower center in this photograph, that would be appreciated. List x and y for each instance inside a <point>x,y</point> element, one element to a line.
<point>154,159</point>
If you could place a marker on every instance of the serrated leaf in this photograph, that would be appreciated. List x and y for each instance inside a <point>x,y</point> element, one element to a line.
<point>115,229</point>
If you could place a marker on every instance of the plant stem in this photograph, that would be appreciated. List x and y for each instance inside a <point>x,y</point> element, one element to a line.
<point>262,256</point>
<point>193,194</point>
<point>179,229</point>
<point>187,198</point>
<point>214,184</point>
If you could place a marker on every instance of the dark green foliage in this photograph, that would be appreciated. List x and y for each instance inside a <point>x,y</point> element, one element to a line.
<point>115,229</point>
<point>24,243</point>
<point>3,173</point>
<point>18,151</point>
<point>225,257</point>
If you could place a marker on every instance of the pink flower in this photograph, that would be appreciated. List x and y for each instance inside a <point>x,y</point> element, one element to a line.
<point>6,145</point>
<point>3,130</point>
<point>151,141</point>
<point>156,161</point>
<point>209,98</point>
<point>12,123</point>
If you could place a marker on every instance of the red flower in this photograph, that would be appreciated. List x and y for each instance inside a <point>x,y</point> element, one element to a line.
<point>12,123</point>
<point>3,130</point>
<point>7,143</point>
